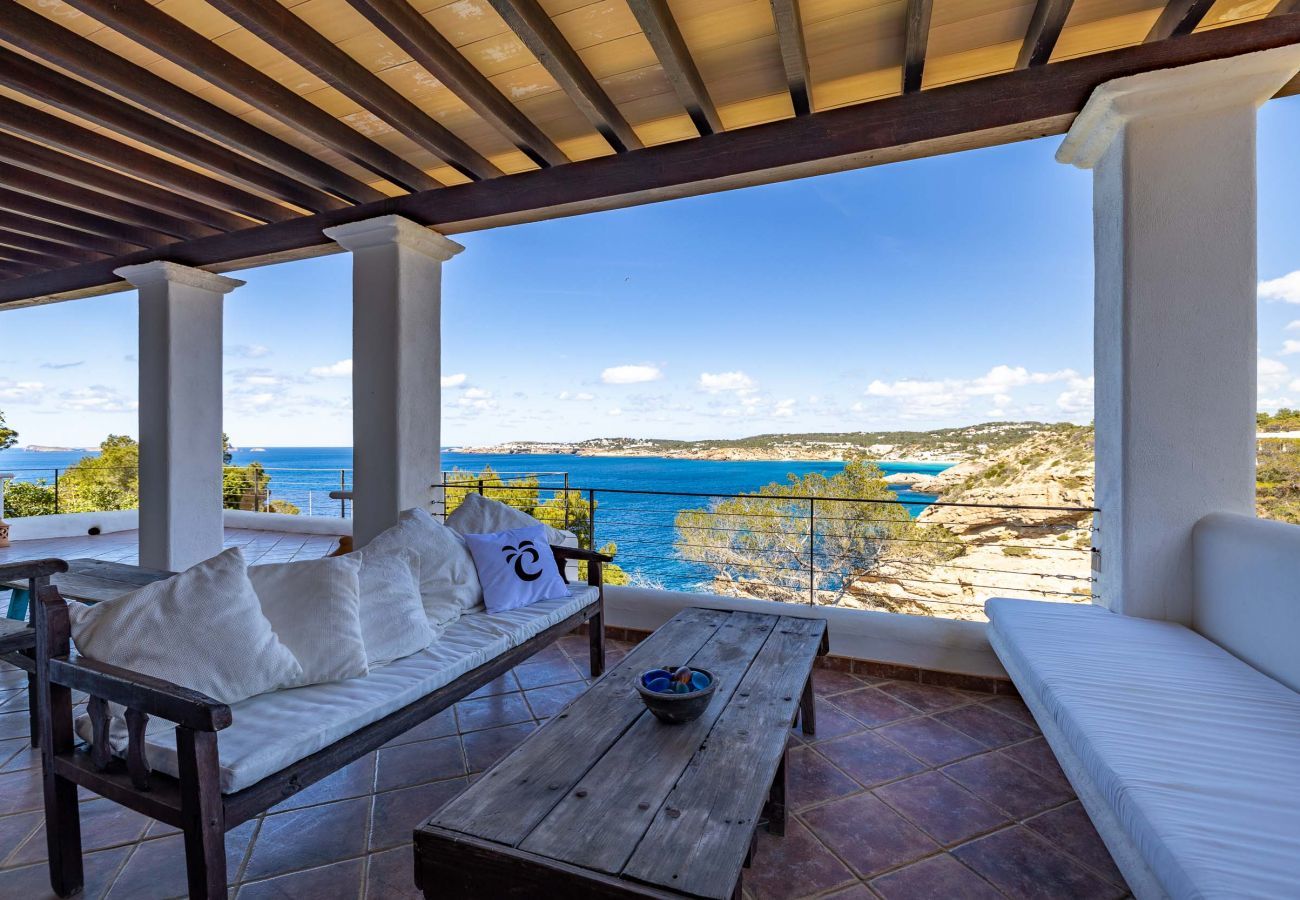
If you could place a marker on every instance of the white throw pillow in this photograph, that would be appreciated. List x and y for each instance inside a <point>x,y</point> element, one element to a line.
<point>393,623</point>
<point>477,514</point>
<point>313,607</point>
<point>202,629</point>
<point>516,568</point>
<point>448,582</point>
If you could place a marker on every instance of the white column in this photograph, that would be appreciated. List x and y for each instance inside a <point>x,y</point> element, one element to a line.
<point>180,412</point>
<point>1173,160</point>
<point>396,366</point>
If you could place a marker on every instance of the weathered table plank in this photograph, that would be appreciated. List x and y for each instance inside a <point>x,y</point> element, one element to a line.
<point>96,580</point>
<point>707,818</point>
<point>600,822</point>
<point>517,793</point>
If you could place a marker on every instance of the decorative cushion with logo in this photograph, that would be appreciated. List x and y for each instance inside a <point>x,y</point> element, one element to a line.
<point>515,567</point>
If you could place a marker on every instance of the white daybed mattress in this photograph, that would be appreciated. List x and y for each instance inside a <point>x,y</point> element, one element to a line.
<point>272,731</point>
<point>1195,752</point>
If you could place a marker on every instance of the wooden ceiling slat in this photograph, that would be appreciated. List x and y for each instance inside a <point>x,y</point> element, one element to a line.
<point>656,21</point>
<point>22,241</point>
<point>40,260</point>
<point>1179,17</point>
<point>1044,31</point>
<point>426,45</point>
<point>918,37</point>
<point>67,237</point>
<point>794,54</point>
<point>1285,7</point>
<point>18,270</point>
<point>42,37</point>
<point>293,37</point>
<point>534,27</point>
<point>166,36</point>
<point>57,214</point>
<point>48,86</point>
<point>140,223</point>
<point>39,158</point>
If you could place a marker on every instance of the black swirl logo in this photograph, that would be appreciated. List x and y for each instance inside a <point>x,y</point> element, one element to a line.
<point>524,554</point>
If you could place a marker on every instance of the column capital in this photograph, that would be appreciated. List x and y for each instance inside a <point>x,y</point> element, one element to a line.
<point>159,271</point>
<point>1204,87</point>
<point>383,230</point>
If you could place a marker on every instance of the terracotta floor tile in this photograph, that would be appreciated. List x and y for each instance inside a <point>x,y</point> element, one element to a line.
<point>33,882</point>
<point>307,838</point>
<point>792,866</point>
<point>483,748</point>
<point>1006,784</point>
<point>396,813</point>
<point>990,728</point>
<point>1013,707</point>
<point>830,681</point>
<point>340,881</point>
<point>547,701</point>
<point>417,763</point>
<point>872,707</point>
<point>20,791</point>
<point>812,779</point>
<point>441,725</point>
<point>1069,829</point>
<point>867,834</point>
<point>549,653</point>
<point>575,645</point>
<point>869,759</point>
<point>927,698</point>
<point>1037,756</point>
<point>831,723</point>
<point>943,809</point>
<point>357,779</point>
<point>157,867</point>
<point>103,824</point>
<point>26,757</point>
<point>17,828</point>
<point>547,672</point>
<point>491,712</point>
<point>932,879</point>
<point>391,876</point>
<point>1024,866</point>
<point>502,684</point>
<point>856,891</point>
<point>931,741</point>
<point>15,724</point>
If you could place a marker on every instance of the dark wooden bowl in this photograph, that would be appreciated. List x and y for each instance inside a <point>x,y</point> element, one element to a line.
<point>677,709</point>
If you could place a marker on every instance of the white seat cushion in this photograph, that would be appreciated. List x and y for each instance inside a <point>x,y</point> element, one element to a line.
<point>1197,753</point>
<point>276,730</point>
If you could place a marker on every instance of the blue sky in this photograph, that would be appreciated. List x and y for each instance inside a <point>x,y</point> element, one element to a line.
<point>935,292</point>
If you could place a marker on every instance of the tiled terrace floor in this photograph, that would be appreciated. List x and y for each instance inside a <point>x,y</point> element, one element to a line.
<point>908,790</point>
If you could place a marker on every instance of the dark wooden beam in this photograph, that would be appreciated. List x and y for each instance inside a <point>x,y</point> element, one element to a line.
<point>66,93</point>
<point>64,236</point>
<point>21,241</point>
<point>434,53</point>
<point>794,55</point>
<point>40,260</point>
<point>38,158</point>
<point>656,20</point>
<point>1179,17</point>
<point>1285,8</point>
<point>293,37</point>
<point>998,109</point>
<point>15,270</point>
<point>1044,31</point>
<point>150,26</point>
<point>918,36</point>
<point>534,27</point>
<point>102,225</point>
<point>45,39</point>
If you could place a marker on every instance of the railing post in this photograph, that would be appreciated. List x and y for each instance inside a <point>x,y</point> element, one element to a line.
<point>566,501</point>
<point>812,552</point>
<point>257,502</point>
<point>591,520</point>
<point>480,487</point>
<point>56,492</point>
<point>343,486</point>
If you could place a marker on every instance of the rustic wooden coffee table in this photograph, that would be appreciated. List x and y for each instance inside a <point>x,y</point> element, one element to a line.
<point>606,801</point>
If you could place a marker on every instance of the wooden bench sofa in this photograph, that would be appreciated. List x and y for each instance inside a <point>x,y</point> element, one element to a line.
<point>271,746</point>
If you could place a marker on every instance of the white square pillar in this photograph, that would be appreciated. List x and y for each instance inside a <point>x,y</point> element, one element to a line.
<point>396,366</point>
<point>180,412</point>
<point>1173,160</point>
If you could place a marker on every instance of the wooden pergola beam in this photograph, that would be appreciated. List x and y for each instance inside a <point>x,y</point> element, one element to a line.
<point>534,27</point>
<point>660,28</point>
<point>150,26</point>
<point>1285,8</point>
<point>918,37</point>
<point>998,109</point>
<point>43,160</point>
<point>1179,17</point>
<point>40,209</point>
<point>40,260</point>
<point>63,92</point>
<point>1044,31</point>
<point>413,33</point>
<point>64,236</point>
<point>794,54</point>
<point>45,39</point>
<point>14,270</point>
<point>21,241</point>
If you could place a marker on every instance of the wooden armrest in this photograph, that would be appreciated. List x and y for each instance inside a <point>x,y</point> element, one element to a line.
<point>145,693</point>
<point>580,554</point>
<point>32,568</point>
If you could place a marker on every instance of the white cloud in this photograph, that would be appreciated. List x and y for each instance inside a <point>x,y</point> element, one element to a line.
<point>1286,288</point>
<point>1290,347</point>
<point>248,351</point>
<point>64,365</point>
<point>631,374</point>
<point>1000,379</point>
<point>477,394</point>
<point>451,381</point>
<point>615,412</point>
<point>784,409</point>
<point>98,398</point>
<point>340,369</point>
<point>921,398</point>
<point>1271,374</point>
<point>1077,398</point>
<point>1293,326</point>
<point>20,391</point>
<point>717,382</point>
<point>580,397</point>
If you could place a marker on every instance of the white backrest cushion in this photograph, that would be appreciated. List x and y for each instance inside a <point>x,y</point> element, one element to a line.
<point>448,582</point>
<point>393,622</point>
<point>477,514</point>
<point>1246,591</point>
<point>516,568</point>
<point>314,609</point>
<point>202,629</point>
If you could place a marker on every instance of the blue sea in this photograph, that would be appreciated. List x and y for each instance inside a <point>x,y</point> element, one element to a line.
<point>640,524</point>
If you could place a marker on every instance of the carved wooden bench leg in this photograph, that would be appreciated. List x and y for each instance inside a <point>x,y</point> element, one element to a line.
<point>596,624</point>
<point>775,808</point>
<point>204,828</point>
<point>54,717</point>
<point>808,707</point>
